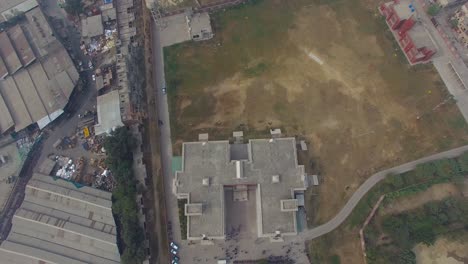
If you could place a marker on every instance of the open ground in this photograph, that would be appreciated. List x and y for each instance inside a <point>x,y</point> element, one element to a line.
<point>329,73</point>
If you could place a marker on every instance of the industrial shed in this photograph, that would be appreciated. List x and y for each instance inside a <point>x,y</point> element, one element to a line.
<point>37,76</point>
<point>59,222</point>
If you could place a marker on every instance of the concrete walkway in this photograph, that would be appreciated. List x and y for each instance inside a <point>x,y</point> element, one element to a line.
<point>367,185</point>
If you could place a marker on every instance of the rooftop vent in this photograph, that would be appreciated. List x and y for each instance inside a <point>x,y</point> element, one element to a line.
<point>203,137</point>
<point>275,132</point>
<point>275,178</point>
<point>239,170</point>
<point>193,209</point>
<point>289,205</point>
<point>206,181</point>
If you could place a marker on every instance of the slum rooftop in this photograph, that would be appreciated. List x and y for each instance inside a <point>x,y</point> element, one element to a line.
<point>108,112</point>
<point>209,166</point>
<point>37,76</point>
<point>59,222</point>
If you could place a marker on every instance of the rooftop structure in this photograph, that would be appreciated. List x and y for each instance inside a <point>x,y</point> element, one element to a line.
<point>11,8</point>
<point>413,38</point>
<point>40,74</point>
<point>109,13</point>
<point>200,26</point>
<point>444,3</point>
<point>99,82</point>
<point>108,112</point>
<point>211,168</point>
<point>461,17</point>
<point>127,32</point>
<point>61,223</point>
<point>92,26</point>
<point>186,26</point>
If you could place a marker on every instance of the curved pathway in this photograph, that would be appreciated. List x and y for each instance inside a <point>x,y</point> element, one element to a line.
<point>367,185</point>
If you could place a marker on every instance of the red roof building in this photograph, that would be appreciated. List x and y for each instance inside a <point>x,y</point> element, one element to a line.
<point>413,38</point>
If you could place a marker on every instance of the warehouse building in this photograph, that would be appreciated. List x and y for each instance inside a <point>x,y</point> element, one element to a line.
<point>59,222</point>
<point>222,181</point>
<point>37,76</point>
<point>11,8</point>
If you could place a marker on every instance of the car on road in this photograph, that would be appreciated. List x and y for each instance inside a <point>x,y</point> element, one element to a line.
<point>173,251</point>
<point>174,246</point>
<point>94,77</point>
<point>164,90</point>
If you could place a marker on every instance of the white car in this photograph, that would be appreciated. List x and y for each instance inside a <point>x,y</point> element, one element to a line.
<point>174,252</point>
<point>164,90</point>
<point>94,77</point>
<point>174,246</point>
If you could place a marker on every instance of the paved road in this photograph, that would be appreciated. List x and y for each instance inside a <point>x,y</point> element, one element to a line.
<point>367,185</point>
<point>165,133</point>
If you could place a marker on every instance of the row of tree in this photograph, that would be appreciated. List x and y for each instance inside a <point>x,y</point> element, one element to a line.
<point>124,206</point>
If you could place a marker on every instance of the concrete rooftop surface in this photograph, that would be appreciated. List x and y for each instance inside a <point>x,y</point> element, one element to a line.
<point>214,163</point>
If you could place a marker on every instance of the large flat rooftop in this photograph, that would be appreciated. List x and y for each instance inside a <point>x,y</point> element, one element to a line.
<point>59,222</point>
<point>270,165</point>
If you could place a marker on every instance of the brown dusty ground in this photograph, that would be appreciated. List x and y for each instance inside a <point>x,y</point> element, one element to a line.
<point>437,192</point>
<point>326,73</point>
<point>342,242</point>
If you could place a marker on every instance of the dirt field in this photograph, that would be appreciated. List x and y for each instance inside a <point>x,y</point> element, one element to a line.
<point>443,252</point>
<point>437,192</point>
<point>342,244</point>
<point>328,73</point>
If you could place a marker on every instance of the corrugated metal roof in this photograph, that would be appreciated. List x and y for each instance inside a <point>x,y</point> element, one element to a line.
<point>60,223</point>
<point>8,54</point>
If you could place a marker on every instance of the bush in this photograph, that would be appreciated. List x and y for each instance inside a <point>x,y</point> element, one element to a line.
<point>73,7</point>
<point>434,9</point>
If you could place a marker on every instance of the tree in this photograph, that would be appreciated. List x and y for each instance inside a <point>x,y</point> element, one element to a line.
<point>463,162</point>
<point>407,257</point>
<point>396,181</point>
<point>73,7</point>
<point>453,23</point>
<point>433,10</point>
<point>447,168</point>
<point>425,171</point>
<point>119,146</point>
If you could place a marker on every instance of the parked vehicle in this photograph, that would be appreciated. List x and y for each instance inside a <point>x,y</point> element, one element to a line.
<point>174,246</point>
